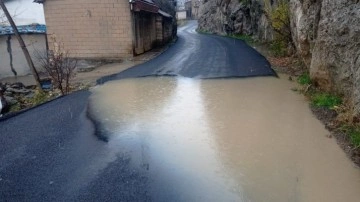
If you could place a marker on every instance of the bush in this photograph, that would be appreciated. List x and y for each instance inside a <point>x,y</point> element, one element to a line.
<point>39,98</point>
<point>59,66</point>
<point>278,48</point>
<point>279,18</point>
<point>353,134</point>
<point>355,137</point>
<point>304,79</point>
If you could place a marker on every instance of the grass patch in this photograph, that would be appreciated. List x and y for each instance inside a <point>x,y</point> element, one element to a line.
<point>355,138</point>
<point>320,99</point>
<point>202,31</point>
<point>247,38</point>
<point>304,79</point>
<point>16,107</point>
<point>353,133</point>
<point>39,98</point>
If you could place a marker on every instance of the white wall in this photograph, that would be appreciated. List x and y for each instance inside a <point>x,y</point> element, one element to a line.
<point>181,15</point>
<point>34,42</point>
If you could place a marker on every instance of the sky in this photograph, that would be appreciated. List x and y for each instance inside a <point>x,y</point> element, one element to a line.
<point>26,12</point>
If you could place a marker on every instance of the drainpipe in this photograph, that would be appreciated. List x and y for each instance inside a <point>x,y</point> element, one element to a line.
<point>132,16</point>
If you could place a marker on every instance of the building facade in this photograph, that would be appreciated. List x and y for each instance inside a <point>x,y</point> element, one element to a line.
<point>192,9</point>
<point>181,15</point>
<point>106,29</point>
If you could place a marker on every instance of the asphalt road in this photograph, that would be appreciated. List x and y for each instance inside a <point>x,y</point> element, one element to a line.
<point>51,153</point>
<point>202,56</point>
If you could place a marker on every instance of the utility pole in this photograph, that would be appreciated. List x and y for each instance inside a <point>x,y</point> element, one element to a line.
<point>22,45</point>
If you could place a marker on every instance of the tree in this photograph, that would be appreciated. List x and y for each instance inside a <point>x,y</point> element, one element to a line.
<point>22,45</point>
<point>58,65</point>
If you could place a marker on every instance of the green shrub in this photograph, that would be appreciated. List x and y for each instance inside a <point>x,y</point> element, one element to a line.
<point>353,133</point>
<point>16,107</point>
<point>355,137</point>
<point>278,48</point>
<point>304,79</point>
<point>279,18</point>
<point>325,100</point>
<point>39,98</point>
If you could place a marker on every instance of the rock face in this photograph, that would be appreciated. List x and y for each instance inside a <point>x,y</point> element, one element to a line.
<point>326,34</point>
<point>226,17</point>
<point>304,20</point>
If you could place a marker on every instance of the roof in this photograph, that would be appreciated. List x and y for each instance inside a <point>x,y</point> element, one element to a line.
<point>163,13</point>
<point>24,29</point>
<point>148,6</point>
<point>145,5</point>
<point>139,5</point>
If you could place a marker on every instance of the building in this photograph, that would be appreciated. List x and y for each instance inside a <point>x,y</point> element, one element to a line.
<point>107,29</point>
<point>30,20</point>
<point>181,15</point>
<point>188,9</point>
<point>192,8</point>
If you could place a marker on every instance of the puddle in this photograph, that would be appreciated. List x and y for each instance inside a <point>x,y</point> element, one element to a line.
<point>224,140</point>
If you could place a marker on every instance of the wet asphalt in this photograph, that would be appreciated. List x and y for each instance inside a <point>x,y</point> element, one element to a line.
<point>51,152</point>
<point>202,56</point>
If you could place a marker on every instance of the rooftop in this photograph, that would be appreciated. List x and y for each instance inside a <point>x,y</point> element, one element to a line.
<point>24,29</point>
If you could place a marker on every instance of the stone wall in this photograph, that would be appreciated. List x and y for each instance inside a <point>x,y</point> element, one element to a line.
<point>91,28</point>
<point>9,47</point>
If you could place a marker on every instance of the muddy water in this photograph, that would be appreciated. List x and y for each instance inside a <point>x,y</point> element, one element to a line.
<point>224,140</point>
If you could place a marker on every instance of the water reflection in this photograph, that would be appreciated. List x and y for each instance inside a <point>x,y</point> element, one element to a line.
<point>224,140</point>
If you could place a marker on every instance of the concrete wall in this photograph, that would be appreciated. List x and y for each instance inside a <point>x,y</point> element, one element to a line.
<point>34,42</point>
<point>181,15</point>
<point>91,28</point>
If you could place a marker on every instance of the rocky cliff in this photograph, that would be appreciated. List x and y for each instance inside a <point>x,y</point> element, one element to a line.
<point>234,17</point>
<point>325,33</point>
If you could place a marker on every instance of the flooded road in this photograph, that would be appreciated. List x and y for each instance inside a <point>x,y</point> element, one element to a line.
<point>223,140</point>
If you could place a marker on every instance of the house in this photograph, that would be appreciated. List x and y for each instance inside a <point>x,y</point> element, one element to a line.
<point>192,8</point>
<point>30,20</point>
<point>181,15</point>
<point>107,29</point>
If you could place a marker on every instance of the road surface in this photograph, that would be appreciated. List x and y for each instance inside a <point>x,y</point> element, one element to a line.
<point>52,153</point>
<point>202,56</point>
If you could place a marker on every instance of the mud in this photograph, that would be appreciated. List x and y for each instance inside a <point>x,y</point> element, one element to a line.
<point>224,140</point>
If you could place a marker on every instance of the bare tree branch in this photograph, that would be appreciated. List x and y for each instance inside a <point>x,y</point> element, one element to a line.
<point>58,65</point>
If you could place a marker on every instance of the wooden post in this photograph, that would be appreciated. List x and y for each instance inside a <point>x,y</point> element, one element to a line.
<point>22,45</point>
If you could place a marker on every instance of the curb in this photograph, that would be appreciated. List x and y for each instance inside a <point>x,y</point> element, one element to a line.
<point>13,114</point>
